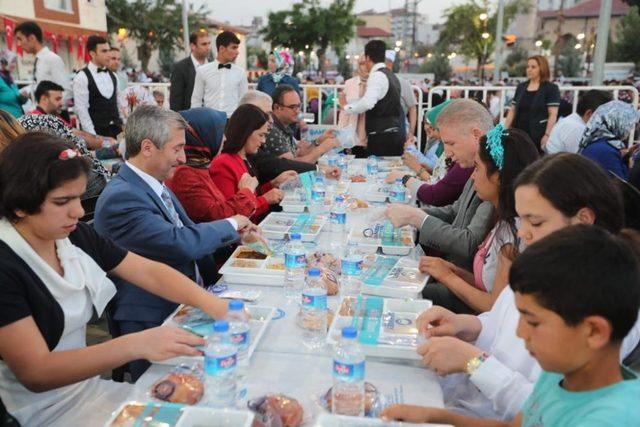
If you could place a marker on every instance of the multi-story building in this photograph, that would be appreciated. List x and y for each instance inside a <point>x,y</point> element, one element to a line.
<point>66,25</point>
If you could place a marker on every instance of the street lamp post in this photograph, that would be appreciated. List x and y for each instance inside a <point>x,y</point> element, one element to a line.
<point>498,40</point>
<point>485,40</point>
<point>185,25</point>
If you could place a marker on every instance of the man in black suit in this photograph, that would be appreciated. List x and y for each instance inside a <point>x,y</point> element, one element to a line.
<point>183,73</point>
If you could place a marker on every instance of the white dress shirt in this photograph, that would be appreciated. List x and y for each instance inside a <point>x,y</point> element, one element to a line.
<point>50,66</point>
<point>566,135</point>
<point>377,87</point>
<point>81,95</point>
<point>196,63</point>
<point>503,382</point>
<point>158,187</point>
<point>220,89</point>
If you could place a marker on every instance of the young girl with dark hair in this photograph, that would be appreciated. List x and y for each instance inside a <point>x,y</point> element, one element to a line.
<point>501,157</point>
<point>245,133</point>
<point>53,275</point>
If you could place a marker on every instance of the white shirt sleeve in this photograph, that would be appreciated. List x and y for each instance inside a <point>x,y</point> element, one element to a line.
<point>198,89</point>
<point>507,389</point>
<point>377,87</point>
<point>243,86</point>
<point>81,101</point>
<point>233,223</point>
<point>58,72</point>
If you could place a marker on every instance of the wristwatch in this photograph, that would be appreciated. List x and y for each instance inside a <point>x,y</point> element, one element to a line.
<point>474,363</point>
<point>405,179</point>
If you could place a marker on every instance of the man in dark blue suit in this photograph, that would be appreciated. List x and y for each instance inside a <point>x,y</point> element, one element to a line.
<point>141,214</point>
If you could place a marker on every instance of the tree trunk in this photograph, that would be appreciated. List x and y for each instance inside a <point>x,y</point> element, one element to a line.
<point>144,55</point>
<point>322,55</point>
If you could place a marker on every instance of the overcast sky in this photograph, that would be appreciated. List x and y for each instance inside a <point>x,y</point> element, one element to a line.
<point>240,12</point>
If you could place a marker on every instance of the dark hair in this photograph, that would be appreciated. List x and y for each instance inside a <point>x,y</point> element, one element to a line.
<point>29,28</point>
<point>591,100</point>
<point>194,36</point>
<point>226,38</point>
<point>375,50</point>
<point>114,49</point>
<point>519,152</point>
<point>243,122</point>
<point>279,92</point>
<point>94,41</point>
<point>24,185</point>
<point>44,87</point>
<point>571,182</point>
<point>581,271</point>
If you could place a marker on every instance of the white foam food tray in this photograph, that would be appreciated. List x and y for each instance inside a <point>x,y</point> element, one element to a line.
<point>394,278</point>
<point>176,415</point>
<point>401,315</point>
<point>262,272</point>
<point>278,225</point>
<point>260,318</point>
<point>401,246</point>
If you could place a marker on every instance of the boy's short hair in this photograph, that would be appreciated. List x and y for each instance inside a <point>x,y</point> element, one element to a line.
<point>94,41</point>
<point>591,100</point>
<point>29,28</point>
<point>581,271</point>
<point>226,38</point>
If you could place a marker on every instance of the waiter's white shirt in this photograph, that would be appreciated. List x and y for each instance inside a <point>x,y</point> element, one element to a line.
<point>81,95</point>
<point>377,87</point>
<point>51,67</point>
<point>220,89</point>
<point>197,64</point>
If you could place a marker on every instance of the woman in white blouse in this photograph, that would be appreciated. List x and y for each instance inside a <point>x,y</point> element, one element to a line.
<point>489,372</point>
<point>53,275</point>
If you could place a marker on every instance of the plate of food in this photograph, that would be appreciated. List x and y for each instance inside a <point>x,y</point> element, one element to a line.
<point>248,266</point>
<point>278,225</point>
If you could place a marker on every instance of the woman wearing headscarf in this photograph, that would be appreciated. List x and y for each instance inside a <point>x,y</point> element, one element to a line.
<point>10,97</point>
<point>603,139</point>
<point>98,175</point>
<point>192,182</point>
<point>280,70</point>
<point>354,89</point>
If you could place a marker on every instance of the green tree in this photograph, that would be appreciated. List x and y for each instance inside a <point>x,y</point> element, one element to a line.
<point>463,29</point>
<point>166,59</point>
<point>627,46</point>
<point>439,65</point>
<point>153,24</point>
<point>257,58</point>
<point>570,59</point>
<point>516,62</point>
<point>309,25</point>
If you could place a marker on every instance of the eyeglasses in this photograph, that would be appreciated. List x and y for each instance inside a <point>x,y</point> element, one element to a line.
<point>294,107</point>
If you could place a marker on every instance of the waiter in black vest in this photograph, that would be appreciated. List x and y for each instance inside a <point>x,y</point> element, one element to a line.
<point>381,104</point>
<point>95,93</point>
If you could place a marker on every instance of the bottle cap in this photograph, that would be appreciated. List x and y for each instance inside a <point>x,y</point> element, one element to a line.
<point>294,236</point>
<point>338,199</point>
<point>349,332</point>
<point>236,305</point>
<point>221,326</point>
<point>314,272</point>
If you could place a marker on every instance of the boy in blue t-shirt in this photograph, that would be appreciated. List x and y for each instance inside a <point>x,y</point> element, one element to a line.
<point>578,293</point>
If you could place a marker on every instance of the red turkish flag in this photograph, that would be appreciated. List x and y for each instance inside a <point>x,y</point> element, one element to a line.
<point>55,42</point>
<point>70,43</point>
<point>9,25</point>
<point>80,52</point>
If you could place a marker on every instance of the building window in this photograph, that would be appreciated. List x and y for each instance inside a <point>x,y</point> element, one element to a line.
<point>63,5</point>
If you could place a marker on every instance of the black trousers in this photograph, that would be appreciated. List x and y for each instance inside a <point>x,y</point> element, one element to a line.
<point>111,130</point>
<point>386,144</point>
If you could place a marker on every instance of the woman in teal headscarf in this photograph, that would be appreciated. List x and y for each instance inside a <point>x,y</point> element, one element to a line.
<point>280,70</point>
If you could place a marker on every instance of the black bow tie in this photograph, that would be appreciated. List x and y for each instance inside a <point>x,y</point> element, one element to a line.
<point>227,66</point>
<point>103,70</point>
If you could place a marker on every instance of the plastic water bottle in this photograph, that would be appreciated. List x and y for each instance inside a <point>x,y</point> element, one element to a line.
<point>239,327</point>
<point>332,158</point>
<point>343,164</point>
<point>318,195</point>
<point>337,221</point>
<point>314,311</point>
<point>351,266</point>
<point>398,193</point>
<point>295,262</point>
<point>372,166</point>
<point>220,358</point>
<point>348,375</point>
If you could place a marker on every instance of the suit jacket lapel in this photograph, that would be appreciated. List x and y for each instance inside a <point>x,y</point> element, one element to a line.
<point>131,177</point>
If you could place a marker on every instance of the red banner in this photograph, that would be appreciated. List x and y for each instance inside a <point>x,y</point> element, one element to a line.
<point>55,40</point>
<point>70,43</point>
<point>80,50</point>
<point>9,26</point>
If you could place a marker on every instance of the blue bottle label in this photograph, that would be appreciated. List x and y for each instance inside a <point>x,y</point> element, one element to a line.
<point>240,339</point>
<point>314,301</point>
<point>372,169</point>
<point>396,195</point>
<point>317,195</point>
<point>351,371</point>
<point>295,261</point>
<point>351,267</point>
<point>338,218</point>
<point>219,365</point>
